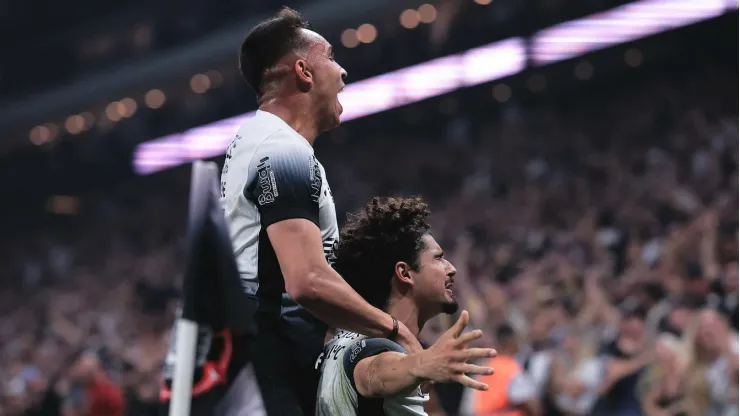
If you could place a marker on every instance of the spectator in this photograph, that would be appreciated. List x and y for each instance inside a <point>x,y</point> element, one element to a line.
<point>625,358</point>
<point>662,385</point>
<point>613,218</point>
<point>99,395</point>
<point>712,383</point>
<point>576,374</point>
<point>511,390</point>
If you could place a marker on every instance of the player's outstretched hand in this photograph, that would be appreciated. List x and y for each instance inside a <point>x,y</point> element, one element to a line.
<point>447,359</point>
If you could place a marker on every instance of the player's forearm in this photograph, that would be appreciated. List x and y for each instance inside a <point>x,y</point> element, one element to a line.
<point>388,374</point>
<point>331,299</point>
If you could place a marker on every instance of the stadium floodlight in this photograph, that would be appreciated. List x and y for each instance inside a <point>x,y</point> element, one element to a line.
<point>442,75</point>
<point>359,99</point>
<point>619,25</point>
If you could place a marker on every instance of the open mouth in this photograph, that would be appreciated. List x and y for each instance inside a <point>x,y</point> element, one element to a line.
<point>448,284</point>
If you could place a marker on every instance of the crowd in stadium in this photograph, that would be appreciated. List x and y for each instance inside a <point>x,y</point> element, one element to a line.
<point>601,234</point>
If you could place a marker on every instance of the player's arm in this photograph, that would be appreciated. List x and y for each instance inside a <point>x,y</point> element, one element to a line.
<point>317,286</point>
<point>380,368</point>
<point>286,188</point>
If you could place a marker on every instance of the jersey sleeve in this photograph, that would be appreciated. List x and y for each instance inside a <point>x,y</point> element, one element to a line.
<point>366,348</point>
<point>285,182</point>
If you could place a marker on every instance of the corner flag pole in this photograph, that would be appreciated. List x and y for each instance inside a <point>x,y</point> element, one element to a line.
<point>182,381</point>
<point>186,329</point>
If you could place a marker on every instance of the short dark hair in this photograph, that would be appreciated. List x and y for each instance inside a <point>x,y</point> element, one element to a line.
<point>376,237</point>
<point>267,43</point>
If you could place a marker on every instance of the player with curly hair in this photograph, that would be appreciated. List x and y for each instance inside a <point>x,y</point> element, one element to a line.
<point>387,254</point>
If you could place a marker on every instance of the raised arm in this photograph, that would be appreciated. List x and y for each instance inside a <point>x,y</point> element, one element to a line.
<point>380,368</point>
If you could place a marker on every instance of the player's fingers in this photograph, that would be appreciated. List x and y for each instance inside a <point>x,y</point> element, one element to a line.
<point>468,337</point>
<point>460,325</point>
<point>473,353</point>
<point>469,382</point>
<point>475,369</point>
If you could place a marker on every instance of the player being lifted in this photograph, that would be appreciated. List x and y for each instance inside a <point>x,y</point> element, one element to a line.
<point>388,256</point>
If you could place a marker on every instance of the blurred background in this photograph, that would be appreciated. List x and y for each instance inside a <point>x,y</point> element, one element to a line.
<point>580,158</point>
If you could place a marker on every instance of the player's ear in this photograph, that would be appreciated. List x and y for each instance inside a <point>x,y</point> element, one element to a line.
<point>303,74</point>
<point>403,273</point>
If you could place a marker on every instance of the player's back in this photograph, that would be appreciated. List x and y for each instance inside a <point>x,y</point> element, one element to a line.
<point>337,394</point>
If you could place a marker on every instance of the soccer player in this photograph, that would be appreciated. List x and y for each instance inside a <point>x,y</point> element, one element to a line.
<point>281,214</point>
<point>386,253</point>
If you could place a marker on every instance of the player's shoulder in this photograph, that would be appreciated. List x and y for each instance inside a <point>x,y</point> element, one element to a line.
<point>378,345</point>
<point>345,336</point>
<point>269,132</point>
<point>365,347</point>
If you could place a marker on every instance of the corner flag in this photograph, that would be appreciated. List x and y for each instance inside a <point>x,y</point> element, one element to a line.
<point>212,333</point>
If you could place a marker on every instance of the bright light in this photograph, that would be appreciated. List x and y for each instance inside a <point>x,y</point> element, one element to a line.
<point>366,33</point>
<point>409,19</point>
<point>633,57</point>
<point>619,25</point>
<point>483,2</point>
<point>39,135</point>
<point>129,107</point>
<point>154,99</point>
<point>200,83</point>
<point>111,111</point>
<point>349,38</point>
<point>75,124</point>
<point>473,67</point>
<point>427,13</point>
<point>584,70</point>
<point>370,96</point>
<point>502,93</point>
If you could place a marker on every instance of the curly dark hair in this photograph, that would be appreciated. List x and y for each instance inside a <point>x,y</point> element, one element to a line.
<point>376,237</point>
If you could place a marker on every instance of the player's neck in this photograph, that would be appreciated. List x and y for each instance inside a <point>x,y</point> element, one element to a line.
<point>295,112</point>
<point>405,310</point>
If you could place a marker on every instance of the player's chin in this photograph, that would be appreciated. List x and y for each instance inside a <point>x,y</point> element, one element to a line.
<point>450,307</point>
<point>336,113</point>
<point>335,121</point>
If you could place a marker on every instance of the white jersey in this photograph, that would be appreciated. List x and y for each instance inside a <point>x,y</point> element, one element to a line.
<point>271,174</point>
<point>337,395</point>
